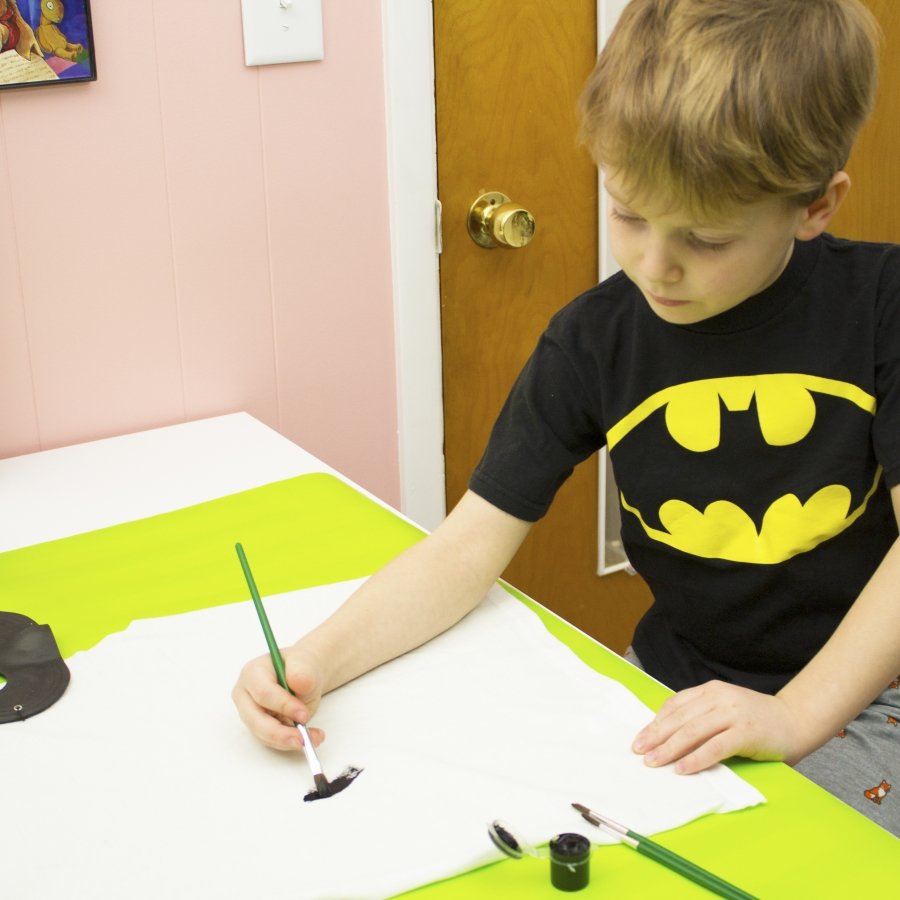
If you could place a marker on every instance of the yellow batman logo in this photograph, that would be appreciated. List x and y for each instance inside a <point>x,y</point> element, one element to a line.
<point>785,414</point>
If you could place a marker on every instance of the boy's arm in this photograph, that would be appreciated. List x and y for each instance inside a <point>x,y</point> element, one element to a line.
<point>702,725</point>
<point>415,597</point>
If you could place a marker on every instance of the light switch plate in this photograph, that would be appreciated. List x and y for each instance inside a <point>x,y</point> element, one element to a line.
<point>282,31</point>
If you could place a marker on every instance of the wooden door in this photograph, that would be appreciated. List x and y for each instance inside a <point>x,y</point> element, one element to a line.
<point>507,78</point>
<point>871,211</point>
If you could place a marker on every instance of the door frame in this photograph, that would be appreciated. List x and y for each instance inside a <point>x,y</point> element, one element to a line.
<point>408,36</point>
<point>414,212</point>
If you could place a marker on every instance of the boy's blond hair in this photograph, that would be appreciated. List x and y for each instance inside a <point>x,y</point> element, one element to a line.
<point>717,102</point>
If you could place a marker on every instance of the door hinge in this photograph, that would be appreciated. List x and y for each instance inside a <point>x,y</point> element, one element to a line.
<point>438,227</point>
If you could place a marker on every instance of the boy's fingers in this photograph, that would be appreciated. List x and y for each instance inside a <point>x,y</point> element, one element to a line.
<point>271,716</point>
<point>276,732</point>
<point>713,751</point>
<point>316,734</point>
<point>279,702</point>
<point>702,731</point>
<point>668,721</point>
<point>721,722</point>
<point>257,680</point>
<point>293,737</point>
<point>689,705</point>
<point>267,728</point>
<point>691,722</point>
<point>269,711</point>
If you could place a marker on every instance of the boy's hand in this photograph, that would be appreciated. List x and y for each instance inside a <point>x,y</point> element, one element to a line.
<point>268,710</point>
<point>700,726</point>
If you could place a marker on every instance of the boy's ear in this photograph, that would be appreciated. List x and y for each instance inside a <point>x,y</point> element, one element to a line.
<point>818,214</point>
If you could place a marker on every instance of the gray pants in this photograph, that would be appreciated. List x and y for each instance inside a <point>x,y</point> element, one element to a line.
<point>861,764</point>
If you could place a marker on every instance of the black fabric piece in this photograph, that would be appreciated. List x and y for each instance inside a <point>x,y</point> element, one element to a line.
<point>36,676</point>
<point>820,345</point>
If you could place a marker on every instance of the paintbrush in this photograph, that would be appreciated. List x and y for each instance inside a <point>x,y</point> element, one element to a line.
<point>666,857</point>
<point>324,787</point>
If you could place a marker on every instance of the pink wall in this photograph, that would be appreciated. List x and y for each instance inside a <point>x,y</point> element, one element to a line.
<point>188,236</point>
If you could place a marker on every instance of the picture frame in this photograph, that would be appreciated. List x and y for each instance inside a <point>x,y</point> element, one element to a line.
<point>46,42</point>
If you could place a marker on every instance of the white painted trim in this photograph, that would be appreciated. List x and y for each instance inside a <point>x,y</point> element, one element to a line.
<point>408,31</point>
<point>610,556</point>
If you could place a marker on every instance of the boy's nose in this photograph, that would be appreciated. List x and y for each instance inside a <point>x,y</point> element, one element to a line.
<point>659,265</point>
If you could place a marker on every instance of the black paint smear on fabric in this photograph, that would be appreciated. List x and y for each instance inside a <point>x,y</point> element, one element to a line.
<point>336,786</point>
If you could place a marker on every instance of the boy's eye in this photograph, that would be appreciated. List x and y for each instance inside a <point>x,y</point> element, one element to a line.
<point>692,239</point>
<point>624,217</point>
<point>701,244</point>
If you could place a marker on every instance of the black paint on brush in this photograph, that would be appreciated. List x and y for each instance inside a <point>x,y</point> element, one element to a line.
<point>326,788</point>
<point>323,785</point>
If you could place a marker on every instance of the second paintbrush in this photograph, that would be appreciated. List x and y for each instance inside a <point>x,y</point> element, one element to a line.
<point>666,857</point>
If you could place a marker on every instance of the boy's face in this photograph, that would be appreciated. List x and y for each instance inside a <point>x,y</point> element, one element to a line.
<point>692,270</point>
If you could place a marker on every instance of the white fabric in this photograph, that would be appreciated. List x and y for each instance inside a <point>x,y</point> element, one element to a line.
<point>142,783</point>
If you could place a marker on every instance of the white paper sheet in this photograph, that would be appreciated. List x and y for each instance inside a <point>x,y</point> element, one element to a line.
<point>142,783</point>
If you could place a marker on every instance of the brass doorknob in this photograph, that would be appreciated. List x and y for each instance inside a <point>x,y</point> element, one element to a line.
<point>495,221</point>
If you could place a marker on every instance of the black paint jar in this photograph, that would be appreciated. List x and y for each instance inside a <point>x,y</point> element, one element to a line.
<point>570,862</point>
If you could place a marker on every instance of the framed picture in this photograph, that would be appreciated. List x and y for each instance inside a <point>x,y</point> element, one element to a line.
<point>45,42</point>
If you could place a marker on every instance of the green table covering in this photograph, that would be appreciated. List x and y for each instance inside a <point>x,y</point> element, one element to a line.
<point>316,529</point>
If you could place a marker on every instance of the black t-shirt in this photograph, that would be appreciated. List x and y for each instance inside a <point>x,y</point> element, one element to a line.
<point>753,452</point>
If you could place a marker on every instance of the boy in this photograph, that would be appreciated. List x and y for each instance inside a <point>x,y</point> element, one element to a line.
<point>743,370</point>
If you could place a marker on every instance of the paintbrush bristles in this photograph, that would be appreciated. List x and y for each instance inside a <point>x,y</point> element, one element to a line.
<point>323,786</point>
<point>600,821</point>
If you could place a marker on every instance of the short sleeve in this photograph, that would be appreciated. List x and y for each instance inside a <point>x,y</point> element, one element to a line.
<point>549,423</point>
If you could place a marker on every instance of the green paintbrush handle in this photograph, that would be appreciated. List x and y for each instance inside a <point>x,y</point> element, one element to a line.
<point>278,663</point>
<point>274,652</point>
<point>688,869</point>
